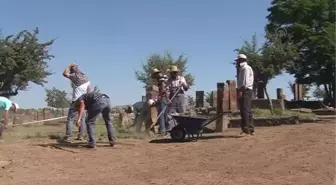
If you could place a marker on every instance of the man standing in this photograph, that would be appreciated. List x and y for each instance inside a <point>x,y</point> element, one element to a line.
<point>95,103</point>
<point>245,92</point>
<point>176,84</point>
<point>162,98</point>
<point>6,104</point>
<point>80,85</point>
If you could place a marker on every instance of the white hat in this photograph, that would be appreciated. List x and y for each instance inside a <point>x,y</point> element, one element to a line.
<point>241,56</point>
<point>16,106</point>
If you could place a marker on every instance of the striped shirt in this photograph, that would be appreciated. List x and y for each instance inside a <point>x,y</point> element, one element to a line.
<point>91,98</point>
<point>176,83</point>
<point>77,77</point>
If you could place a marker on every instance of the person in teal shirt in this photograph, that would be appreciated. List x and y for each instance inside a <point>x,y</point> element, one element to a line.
<point>6,104</point>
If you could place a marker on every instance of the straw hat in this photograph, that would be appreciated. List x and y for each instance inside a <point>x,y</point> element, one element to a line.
<point>173,69</point>
<point>155,70</point>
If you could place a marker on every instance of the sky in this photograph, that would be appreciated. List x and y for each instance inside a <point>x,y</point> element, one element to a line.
<point>110,39</point>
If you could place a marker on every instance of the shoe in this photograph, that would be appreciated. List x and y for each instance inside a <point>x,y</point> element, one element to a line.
<point>67,139</point>
<point>80,138</point>
<point>90,145</point>
<point>243,134</point>
<point>112,143</point>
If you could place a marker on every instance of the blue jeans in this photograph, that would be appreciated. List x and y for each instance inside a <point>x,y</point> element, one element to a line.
<point>163,118</point>
<point>71,118</point>
<point>102,105</point>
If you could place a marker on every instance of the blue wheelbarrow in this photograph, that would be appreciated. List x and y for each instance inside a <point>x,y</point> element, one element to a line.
<point>190,126</point>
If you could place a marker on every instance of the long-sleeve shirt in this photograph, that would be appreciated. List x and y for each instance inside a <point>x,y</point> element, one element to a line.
<point>246,77</point>
<point>175,83</point>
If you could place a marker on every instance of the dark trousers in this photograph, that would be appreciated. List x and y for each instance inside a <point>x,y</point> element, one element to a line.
<point>246,112</point>
<point>103,106</point>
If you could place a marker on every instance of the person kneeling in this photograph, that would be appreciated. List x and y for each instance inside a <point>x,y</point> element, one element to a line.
<point>95,103</point>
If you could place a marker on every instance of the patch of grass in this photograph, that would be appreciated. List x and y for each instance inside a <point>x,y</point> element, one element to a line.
<point>285,113</point>
<point>38,132</point>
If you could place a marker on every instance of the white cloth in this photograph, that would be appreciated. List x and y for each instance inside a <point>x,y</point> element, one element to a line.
<point>80,90</point>
<point>176,82</point>
<point>246,76</point>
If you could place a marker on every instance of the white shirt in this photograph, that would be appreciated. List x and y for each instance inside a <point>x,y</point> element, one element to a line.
<point>176,82</point>
<point>246,77</point>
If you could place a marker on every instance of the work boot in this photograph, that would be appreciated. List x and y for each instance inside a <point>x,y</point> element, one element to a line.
<point>91,145</point>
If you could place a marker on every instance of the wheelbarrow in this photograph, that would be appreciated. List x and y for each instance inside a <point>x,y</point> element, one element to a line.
<point>190,126</point>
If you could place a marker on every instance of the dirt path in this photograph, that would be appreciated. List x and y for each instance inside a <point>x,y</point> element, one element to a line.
<point>298,155</point>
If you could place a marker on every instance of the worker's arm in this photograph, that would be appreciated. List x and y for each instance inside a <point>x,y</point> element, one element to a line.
<point>184,83</point>
<point>66,72</point>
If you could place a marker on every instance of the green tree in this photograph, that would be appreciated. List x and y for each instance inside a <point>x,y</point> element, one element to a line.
<point>23,59</point>
<point>319,93</point>
<point>310,26</point>
<point>57,98</point>
<point>208,97</point>
<point>163,63</point>
<point>191,101</point>
<point>96,89</point>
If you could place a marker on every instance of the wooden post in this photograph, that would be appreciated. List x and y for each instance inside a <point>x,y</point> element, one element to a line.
<point>214,99</point>
<point>233,98</point>
<point>280,97</point>
<point>199,99</point>
<point>220,108</point>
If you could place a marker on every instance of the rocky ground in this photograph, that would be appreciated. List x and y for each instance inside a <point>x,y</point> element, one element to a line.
<point>285,155</point>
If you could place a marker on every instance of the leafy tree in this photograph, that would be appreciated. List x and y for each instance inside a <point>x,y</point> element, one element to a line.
<point>23,59</point>
<point>163,63</point>
<point>310,26</point>
<point>319,93</point>
<point>191,101</point>
<point>57,98</point>
<point>96,89</point>
<point>208,97</point>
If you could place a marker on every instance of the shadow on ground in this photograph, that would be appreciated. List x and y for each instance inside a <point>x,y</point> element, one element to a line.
<point>168,140</point>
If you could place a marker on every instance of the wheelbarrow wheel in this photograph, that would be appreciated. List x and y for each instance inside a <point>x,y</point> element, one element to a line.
<point>177,134</point>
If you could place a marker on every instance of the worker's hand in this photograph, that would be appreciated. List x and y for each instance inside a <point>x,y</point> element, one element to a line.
<point>169,101</point>
<point>78,123</point>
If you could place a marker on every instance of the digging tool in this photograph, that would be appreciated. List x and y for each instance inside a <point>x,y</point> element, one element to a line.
<point>164,109</point>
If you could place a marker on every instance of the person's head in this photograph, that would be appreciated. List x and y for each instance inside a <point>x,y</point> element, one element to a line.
<point>241,60</point>
<point>173,71</point>
<point>14,107</point>
<point>155,73</point>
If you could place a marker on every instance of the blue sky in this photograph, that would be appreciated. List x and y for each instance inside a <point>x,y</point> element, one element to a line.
<point>110,39</point>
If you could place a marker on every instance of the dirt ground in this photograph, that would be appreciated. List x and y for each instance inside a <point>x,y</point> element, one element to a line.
<point>285,155</point>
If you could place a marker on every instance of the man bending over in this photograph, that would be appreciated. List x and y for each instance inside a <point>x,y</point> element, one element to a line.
<point>95,103</point>
<point>6,104</point>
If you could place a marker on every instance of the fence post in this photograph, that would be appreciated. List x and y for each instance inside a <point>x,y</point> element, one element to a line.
<point>220,108</point>
<point>199,99</point>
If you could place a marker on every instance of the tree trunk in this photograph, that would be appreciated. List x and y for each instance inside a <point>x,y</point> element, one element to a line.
<point>261,90</point>
<point>269,99</point>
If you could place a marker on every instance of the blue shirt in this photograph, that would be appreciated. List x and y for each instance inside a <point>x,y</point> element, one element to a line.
<point>5,103</point>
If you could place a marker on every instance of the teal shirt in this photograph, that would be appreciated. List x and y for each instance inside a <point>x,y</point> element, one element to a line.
<point>5,103</point>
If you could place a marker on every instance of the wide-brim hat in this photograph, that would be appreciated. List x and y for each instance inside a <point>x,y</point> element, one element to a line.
<point>155,70</point>
<point>173,69</point>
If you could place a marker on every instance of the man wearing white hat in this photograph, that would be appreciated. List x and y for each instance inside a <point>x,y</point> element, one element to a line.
<point>6,104</point>
<point>245,92</point>
<point>176,84</point>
